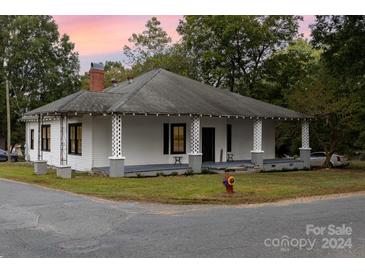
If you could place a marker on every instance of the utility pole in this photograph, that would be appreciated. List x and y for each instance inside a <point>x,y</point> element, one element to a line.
<point>8,119</point>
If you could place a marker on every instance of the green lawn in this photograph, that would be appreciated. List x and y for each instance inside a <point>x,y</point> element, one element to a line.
<point>201,189</point>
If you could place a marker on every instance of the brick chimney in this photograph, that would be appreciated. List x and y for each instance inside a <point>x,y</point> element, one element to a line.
<point>96,77</point>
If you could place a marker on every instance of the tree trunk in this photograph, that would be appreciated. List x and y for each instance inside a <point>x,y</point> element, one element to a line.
<point>327,162</point>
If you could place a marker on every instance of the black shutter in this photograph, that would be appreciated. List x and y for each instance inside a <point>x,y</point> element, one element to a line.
<point>165,138</point>
<point>229,138</point>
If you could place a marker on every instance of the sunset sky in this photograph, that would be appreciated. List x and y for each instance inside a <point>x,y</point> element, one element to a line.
<point>101,38</point>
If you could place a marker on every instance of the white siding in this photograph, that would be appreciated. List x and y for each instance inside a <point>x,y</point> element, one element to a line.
<point>82,162</point>
<point>143,140</point>
<point>242,138</point>
<point>102,136</point>
<point>53,156</point>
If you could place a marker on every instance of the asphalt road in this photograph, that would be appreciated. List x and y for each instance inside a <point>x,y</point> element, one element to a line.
<point>39,222</point>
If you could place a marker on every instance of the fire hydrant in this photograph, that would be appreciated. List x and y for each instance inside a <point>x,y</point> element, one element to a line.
<point>228,182</point>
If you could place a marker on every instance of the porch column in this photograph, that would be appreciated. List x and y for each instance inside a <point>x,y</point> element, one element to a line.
<point>116,168</point>
<point>40,166</point>
<point>63,170</point>
<point>257,154</point>
<point>195,157</point>
<point>305,150</point>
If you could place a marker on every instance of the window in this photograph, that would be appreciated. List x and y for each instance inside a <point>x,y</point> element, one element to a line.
<point>178,133</point>
<point>46,137</point>
<point>75,139</point>
<point>229,138</point>
<point>165,138</point>
<point>32,139</point>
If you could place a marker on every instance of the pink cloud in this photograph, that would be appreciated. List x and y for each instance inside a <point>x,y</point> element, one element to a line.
<point>106,34</point>
<point>101,38</point>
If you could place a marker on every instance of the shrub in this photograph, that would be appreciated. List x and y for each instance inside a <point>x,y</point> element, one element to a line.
<point>189,172</point>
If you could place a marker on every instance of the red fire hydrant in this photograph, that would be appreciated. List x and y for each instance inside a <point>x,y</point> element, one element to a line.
<point>228,182</point>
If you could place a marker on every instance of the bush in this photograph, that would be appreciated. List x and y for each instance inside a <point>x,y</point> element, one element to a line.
<point>188,172</point>
<point>207,171</point>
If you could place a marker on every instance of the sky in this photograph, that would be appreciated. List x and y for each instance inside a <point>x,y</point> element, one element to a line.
<point>101,38</point>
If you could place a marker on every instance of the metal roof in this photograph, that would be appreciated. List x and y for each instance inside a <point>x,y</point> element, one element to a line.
<point>163,92</point>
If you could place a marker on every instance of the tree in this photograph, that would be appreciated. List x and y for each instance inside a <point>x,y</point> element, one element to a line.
<point>281,72</point>
<point>152,42</point>
<point>42,66</point>
<point>172,60</point>
<point>343,41</point>
<point>284,69</point>
<point>113,71</point>
<point>318,96</point>
<point>229,51</point>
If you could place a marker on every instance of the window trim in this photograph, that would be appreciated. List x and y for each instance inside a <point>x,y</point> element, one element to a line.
<point>31,138</point>
<point>172,126</point>
<point>76,153</point>
<point>47,138</point>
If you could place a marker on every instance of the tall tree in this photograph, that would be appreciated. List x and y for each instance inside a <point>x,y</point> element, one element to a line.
<point>342,39</point>
<point>284,68</point>
<point>229,51</point>
<point>41,65</point>
<point>333,113</point>
<point>281,73</point>
<point>152,42</point>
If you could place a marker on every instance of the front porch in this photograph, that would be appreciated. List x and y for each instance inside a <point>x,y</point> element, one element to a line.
<point>127,145</point>
<point>215,167</point>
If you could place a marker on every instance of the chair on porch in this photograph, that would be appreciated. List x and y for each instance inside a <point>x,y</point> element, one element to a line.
<point>177,160</point>
<point>230,157</point>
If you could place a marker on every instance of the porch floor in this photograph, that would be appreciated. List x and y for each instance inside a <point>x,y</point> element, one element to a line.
<point>181,168</point>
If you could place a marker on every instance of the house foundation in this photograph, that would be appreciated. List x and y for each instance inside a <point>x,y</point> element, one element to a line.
<point>305,154</point>
<point>40,167</point>
<point>116,167</point>
<point>64,172</point>
<point>257,158</point>
<point>195,162</point>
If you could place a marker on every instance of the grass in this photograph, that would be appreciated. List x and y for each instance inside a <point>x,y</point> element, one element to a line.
<point>201,189</point>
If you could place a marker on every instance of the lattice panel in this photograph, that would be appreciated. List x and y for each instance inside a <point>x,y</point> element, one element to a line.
<point>40,122</point>
<point>117,136</point>
<point>257,135</point>
<point>195,135</point>
<point>305,134</point>
<point>63,140</point>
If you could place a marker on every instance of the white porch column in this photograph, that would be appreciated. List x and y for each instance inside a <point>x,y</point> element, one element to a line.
<point>195,157</point>
<point>63,170</point>
<point>40,166</point>
<point>305,150</point>
<point>27,142</point>
<point>257,154</point>
<point>117,160</point>
<point>63,140</point>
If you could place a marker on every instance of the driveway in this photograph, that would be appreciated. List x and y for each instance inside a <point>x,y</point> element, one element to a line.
<point>39,222</point>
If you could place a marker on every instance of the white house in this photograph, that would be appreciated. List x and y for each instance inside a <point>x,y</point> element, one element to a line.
<point>157,121</point>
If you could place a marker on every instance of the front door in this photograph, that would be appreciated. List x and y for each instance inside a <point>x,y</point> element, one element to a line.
<point>208,144</point>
